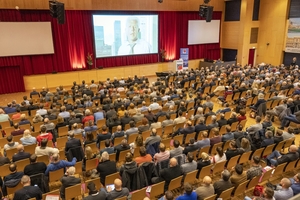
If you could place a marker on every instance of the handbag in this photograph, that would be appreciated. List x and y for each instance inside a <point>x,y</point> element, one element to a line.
<point>258,190</point>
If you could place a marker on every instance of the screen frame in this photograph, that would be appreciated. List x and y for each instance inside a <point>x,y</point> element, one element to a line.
<point>121,13</point>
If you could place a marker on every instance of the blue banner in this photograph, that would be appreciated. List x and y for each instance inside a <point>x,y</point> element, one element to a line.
<point>184,55</point>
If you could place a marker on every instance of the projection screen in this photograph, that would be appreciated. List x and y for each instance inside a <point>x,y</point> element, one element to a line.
<point>202,32</point>
<point>25,38</point>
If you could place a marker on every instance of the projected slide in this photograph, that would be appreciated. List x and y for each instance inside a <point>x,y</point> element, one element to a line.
<point>119,35</point>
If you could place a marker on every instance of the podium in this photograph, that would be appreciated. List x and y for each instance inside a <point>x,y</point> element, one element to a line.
<point>179,65</point>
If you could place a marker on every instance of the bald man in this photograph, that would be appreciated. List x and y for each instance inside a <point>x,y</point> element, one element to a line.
<point>27,191</point>
<point>284,191</point>
<point>275,158</point>
<point>206,189</point>
<point>170,173</point>
<point>21,154</point>
<point>118,192</point>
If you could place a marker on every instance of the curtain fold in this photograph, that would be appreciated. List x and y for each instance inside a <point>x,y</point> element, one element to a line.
<point>11,80</point>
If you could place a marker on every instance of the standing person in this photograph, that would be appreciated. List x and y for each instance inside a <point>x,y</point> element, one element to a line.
<point>27,191</point>
<point>133,45</point>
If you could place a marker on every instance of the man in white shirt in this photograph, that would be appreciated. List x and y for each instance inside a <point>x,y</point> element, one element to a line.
<point>133,45</point>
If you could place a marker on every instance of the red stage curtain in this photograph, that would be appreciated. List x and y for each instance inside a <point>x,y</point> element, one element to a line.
<point>74,40</point>
<point>251,56</point>
<point>11,80</point>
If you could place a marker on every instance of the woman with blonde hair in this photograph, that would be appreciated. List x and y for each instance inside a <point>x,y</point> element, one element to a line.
<point>37,118</point>
<point>245,144</point>
<point>260,100</point>
<point>88,155</point>
<point>27,139</point>
<point>204,161</point>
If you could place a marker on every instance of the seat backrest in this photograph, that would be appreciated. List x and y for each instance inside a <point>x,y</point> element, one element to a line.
<point>56,175</point>
<point>73,191</point>
<point>175,183</point>
<point>111,178</point>
<point>75,152</point>
<point>232,162</point>
<point>219,167</point>
<point>190,177</point>
<point>138,194</point>
<point>226,194</point>
<point>22,164</point>
<point>241,188</point>
<point>91,164</point>
<point>253,182</point>
<point>96,181</point>
<point>213,197</point>
<point>205,171</point>
<point>157,189</point>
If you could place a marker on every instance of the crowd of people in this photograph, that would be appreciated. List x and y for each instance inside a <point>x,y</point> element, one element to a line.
<point>184,101</point>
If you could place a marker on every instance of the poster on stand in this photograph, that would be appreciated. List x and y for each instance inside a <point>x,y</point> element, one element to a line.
<point>184,55</point>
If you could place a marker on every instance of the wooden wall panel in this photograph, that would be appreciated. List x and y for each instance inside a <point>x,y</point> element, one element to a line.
<point>272,30</point>
<point>67,78</point>
<point>230,35</point>
<point>37,81</point>
<point>138,5</point>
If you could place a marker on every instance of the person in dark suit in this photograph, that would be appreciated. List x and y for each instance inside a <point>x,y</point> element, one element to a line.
<point>189,128</point>
<point>292,155</point>
<point>200,127</point>
<point>269,139</point>
<point>191,147</point>
<point>170,173</point>
<point>68,180</point>
<point>27,191</point>
<point>21,154</point>
<point>34,167</point>
<point>222,121</point>
<point>222,184</point>
<point>126,119</point>
<point>106,167</point>
<point>72,142</point>
<point>121,147</point>
<point>4,160</point>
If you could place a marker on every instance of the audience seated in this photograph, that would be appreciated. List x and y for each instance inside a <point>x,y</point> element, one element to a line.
<point>153,138</point>
<point>106,167</point>
<point>27,139</point>
<point>170,173</point>
<point>117,192</point>
<point>94,193</point>
<point>178,150</point>
<point>44,149</point>
<point>223,184</point>
<point>57,164</point>
<point>27,191</point>
<point>34,167</point>
<point>188,193</point>
<point>112,104</point>
<point>12,179</point>
<point>44,135</point>
<point>162,155</point>
<point>206,189</point>
<point>275,158</point>
<point>11,144</point>
<point>68,180</point>
<point>284,190</point>
<point>144,157</point>
<point>17,130</point>
<point>72,142</point>
<point>255,169</point>
<point>21,154</point>
<point>190,165</point>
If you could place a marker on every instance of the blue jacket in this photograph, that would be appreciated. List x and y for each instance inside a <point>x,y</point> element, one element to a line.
<point>59,165</point>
